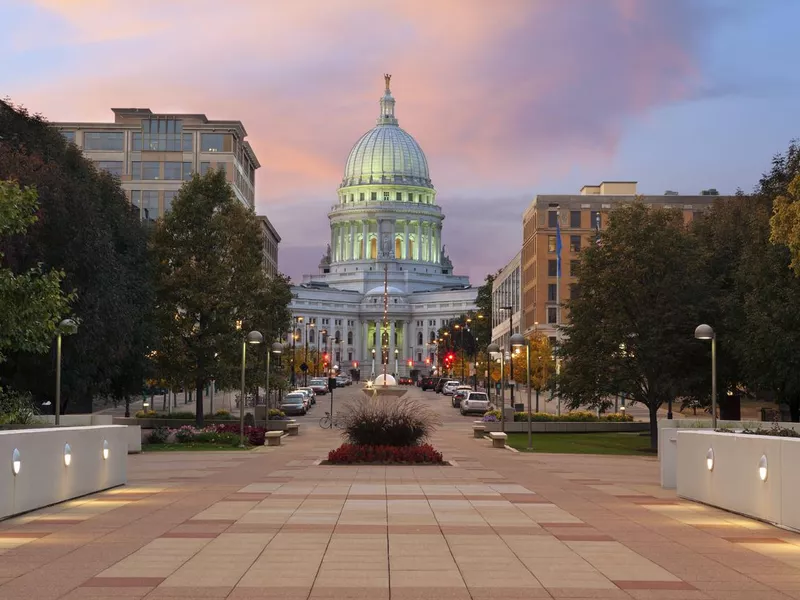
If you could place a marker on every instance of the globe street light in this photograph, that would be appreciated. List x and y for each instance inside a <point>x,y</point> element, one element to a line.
<point>517,341</point>
<point>66,327</point>
<point>254,337</point>
<point>706,332</point>
<point>277,349</point>
<point>495,349</point>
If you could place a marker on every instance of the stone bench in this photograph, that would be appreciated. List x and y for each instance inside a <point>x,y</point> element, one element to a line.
<point>293,429</point>
<point>274,438</point>
<point>498,439</point>
<point>478,430</point>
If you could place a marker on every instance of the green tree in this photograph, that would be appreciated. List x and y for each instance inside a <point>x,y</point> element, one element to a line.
<point>33,301</point>
<point>85,229</point>
<point>630,330</point>
<point>210,281</point>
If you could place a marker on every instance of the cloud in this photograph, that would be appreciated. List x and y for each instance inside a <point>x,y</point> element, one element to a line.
<point>500,95</point>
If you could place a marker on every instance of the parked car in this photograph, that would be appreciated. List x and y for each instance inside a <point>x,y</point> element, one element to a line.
<point>449,388</point>
<point>312,395</point>
<point>440,384</point>
<point>460,393</point>
<point>306,395</point>
<point>427,383</point>
<point>341,381</point>
<point>405,381</point>
<point>294,404</point>
<point>475,402</point>
<point>319,385</point>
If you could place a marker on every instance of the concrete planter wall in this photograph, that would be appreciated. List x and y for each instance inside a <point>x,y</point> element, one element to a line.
<point>45,479</point>
<point>734,483</point>
<point>566,426</point>
<point>133,432</point>
<point>171,423</point>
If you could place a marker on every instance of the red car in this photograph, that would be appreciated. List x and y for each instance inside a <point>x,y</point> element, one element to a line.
<point>405,381</point>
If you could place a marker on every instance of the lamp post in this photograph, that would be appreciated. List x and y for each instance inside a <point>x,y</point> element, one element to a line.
<point>276,349</point>
<point>322,332</point>
<point>65,327</point>
<point>305,355</point>
<point>297,320</point>
<point>495,349</point>
<point>517,341</point>
<point>706,332</point>
<point>372,375</point>
<point>510,310</point>
<point>396,366</point>
<point>254,337</point>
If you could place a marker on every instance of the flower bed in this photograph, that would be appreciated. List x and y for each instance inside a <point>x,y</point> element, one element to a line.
<point>349,454</point>
<point>220,415</point>
<point>493,416</point>
<point>227,434</point>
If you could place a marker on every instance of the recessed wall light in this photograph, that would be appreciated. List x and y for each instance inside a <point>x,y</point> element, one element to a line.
<point>67,455</point>
<point>762,468</point>
<point>105,449</point>
<point>710,459</point>
<point>16,461</point>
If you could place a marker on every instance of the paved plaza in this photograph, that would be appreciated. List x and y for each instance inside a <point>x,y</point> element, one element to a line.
<point>496,524</point>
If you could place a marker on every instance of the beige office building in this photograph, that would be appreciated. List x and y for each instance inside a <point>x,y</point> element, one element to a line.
<point>153,154</point>
<point>271,241</point>
<point>580,217</point>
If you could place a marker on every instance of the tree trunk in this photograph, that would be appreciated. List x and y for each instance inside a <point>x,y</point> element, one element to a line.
<point>127,406</point>
<point>199,406</point>
<point>653,409</point>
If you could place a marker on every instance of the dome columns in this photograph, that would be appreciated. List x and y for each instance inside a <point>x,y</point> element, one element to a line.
<point>412,238</point>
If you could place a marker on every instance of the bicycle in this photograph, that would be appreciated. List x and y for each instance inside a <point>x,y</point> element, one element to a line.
<point>329,422</point>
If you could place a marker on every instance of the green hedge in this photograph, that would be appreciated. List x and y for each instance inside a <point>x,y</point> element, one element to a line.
<point>579,416</point>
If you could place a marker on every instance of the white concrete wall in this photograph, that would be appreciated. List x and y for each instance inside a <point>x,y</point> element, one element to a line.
<point>77,420</point>
<point>734,484</point>
<point>44,479</point>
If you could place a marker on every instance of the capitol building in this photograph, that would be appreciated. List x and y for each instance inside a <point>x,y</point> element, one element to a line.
<point>386,240</point>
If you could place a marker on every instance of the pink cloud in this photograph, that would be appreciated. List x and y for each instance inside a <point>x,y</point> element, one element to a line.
<point>499,95</point>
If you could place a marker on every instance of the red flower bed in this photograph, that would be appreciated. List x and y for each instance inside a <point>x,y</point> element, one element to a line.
<point>256,436</point>
<point>348,454</point>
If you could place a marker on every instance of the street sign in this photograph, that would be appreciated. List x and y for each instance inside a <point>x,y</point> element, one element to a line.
<point>304,367</point>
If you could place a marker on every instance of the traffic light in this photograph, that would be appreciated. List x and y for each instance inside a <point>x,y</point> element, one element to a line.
<point>325,357</point>
<point>355,364</point>
<point>410,362</point>
<point>427,361</point>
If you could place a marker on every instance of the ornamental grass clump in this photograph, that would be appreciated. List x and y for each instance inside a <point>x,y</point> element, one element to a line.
<point>388,422</point>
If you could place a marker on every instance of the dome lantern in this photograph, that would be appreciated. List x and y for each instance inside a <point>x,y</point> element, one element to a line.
<point>387,105</point>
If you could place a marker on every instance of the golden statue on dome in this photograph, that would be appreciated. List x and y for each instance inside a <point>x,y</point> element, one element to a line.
<point>387,78</point>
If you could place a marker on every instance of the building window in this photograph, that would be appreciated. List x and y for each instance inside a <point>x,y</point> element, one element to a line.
<point>596,219</point>
<point>136,202</point>
<point>573,268</point>
<point>162,135</point>
<point>169,197</point>
<point>69,136</point>
<point>350,338</point>
<point>114,167</point>
<point>361,197</point>
<point>574,291</point>
<point>419,339</point>
<point>385,196</point>
<point>352,198</point>
<point>103,140</point>
<point>552,315</point>
<point>373,196</point>
<point>188,145</point>
<point>419,356</point>
<point>552,268</point>
<point>398,196</point>
<point>172,170</point>
<point>187,171</point>
<point>213,142</point>
<point>552,292</point>
<point>551,243</point>
<point>204,167</point>
<point>151,170</point>
<point>552,218</point>
<point>350,356</point>
<point>432,336</point>
<point>575,218</point>
<point>411,197</point>
<point>149,205</point>
<point>574,243</point>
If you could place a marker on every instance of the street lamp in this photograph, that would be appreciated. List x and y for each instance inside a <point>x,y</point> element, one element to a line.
<point>305,355</point>
<point>510,310</point>
<point>372,375</point>
<point>294,340</point>
<point>396,366</point>
<point>66,327</point>
<point>517,341</point>
<point>495,349</point>
<point>277,349</point>
<point>706,332</point>
<point>254,337</point>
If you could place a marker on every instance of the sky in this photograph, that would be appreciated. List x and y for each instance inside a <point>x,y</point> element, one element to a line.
<point>507,98</point>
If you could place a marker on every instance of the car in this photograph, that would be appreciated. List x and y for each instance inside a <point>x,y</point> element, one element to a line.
<point>449,388</point>
<point>312,395</point>
<point>427,383</point>
<point>460,393</point>
<point>319,385</point>
<point>306,395</point>
<point>405,381</point>
<point>294,403</point>
<point>440,384</point>
<point>475,402</point>
<point>341,381</point>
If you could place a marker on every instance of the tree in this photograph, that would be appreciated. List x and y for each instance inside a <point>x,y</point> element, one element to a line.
<point>33,301</point>
<point>86,229</point>
<point>210,283</point>
<point>785,221</point>
<point>631,328</point>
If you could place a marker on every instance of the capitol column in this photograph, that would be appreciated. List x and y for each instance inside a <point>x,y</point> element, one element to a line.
<point>406,343</point>
<point>405,242</point>
<point>364,235</point>
<point>364,352</point>
<point>351,251</point>
<point>433,242</point>
<point>418,245</point>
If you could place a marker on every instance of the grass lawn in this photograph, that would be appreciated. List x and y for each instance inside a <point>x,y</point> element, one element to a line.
<point>193,447</point>
<point>582,443</point>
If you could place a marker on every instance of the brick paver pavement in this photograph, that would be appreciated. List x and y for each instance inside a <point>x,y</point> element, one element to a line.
<point>273,523</point>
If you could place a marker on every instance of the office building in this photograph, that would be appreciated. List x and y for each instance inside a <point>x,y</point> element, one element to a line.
<point>507,292</point>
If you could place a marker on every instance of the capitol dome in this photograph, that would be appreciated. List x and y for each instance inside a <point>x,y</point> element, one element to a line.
<point>386,153</point>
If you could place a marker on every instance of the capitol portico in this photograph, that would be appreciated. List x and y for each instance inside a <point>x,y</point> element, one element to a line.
<point>386,236</point>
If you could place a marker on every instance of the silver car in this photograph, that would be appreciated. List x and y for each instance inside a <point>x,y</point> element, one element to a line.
<point>477,402</point>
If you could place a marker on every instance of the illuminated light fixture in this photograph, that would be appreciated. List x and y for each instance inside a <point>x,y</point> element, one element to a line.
<point>105,449</point>
<point>16,461</point>
<point>67,455</point>
<point>710,459</point>
<point>762,468</point>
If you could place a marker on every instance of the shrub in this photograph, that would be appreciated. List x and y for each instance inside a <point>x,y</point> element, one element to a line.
<point>575,416</point>
<point>249,419</point>
<point>222,415</point>
<point>146,414</point>
<point>492,416</point>
<point>16,408</point>
<point>355,453</point>
<point>185,434</point>
<point>387,422</point>
<point>208,436</point>
<point>184,414</point>
<point>255,436</point>
<point>159,435</point>
<point>275,414</point>
<point>774,431</point>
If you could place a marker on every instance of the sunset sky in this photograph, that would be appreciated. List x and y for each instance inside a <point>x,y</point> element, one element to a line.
<point>507,98</point>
